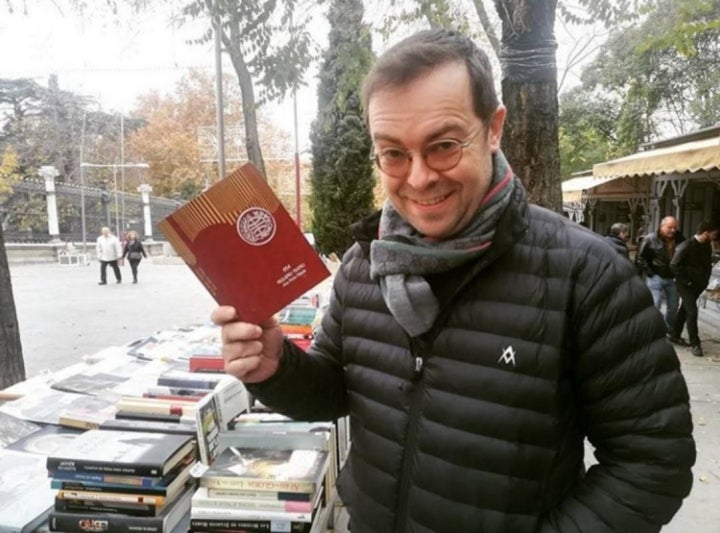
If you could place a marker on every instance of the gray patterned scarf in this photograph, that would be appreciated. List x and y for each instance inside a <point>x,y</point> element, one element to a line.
<point>401,257</point>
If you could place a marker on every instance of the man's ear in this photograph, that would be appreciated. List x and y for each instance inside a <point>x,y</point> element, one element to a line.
<point>495,128</point>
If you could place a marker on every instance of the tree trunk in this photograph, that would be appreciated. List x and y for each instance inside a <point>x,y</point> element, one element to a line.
<point>252,141</point>
<point>11,359</point>
<point>529,88</point>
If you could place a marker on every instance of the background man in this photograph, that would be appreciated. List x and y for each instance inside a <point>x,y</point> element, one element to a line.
<point>476,340</point>
<point>692,265</point>
<point>653,260</point>
<point>617,237</point>
<point>108,253</point>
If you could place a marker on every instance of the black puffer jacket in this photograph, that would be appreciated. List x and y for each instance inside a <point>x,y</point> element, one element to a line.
<point>478,426</point>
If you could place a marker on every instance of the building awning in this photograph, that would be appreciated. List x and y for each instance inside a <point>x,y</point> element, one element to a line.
<point>695,156</point>
<point>573,188</point>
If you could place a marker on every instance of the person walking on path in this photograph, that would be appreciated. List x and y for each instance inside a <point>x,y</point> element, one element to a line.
<point>653,261</point>
<point>108,253</point>
<point>692,266</point>
<point>475,339</point>
<point>617,237</point>
<point>134,251</point>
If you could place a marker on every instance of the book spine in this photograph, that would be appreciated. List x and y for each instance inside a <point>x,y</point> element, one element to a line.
<point>131,481</point>
<point>249,526</point>
<point>61,485</point>
<point>131,469</point>
<point>91,521</point>
<point>272,485</point>
<point>173,397</point>
<point>177,391</point>
<point>163,407</point>
<point>253,505</point>
<point>212,513</point>
<point>94,506</point>
<point>130,424</point>
<point>259,495</point>
<point>206,364</point>
<point>102,496</point>
<point>186,383</point>
<point>156,417</point>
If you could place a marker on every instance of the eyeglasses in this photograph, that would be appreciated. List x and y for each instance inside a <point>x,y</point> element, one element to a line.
<point>440,155</point>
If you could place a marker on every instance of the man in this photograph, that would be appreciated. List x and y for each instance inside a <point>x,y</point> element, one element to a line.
<point>476,340</point>
<point>108,253</point>
<point>617,238</point>
<point>653,260</point>
<point>692,266</point>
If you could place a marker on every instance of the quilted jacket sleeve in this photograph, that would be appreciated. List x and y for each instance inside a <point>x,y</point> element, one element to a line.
<point>311,386</point>
<point>634,402</point>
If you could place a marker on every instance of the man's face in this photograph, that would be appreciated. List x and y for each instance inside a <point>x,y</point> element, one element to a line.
<point>668,228</point>
<point>436,106</point>
<point>105,232</point>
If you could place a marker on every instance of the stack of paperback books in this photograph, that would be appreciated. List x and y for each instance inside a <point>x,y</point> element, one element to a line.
<point>261,489</point>
<point>121,482</point>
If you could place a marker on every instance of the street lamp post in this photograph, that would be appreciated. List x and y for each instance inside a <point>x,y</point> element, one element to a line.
<point>115,167</point>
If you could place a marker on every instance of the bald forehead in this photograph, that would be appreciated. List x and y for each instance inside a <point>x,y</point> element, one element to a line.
<point>668,222</point>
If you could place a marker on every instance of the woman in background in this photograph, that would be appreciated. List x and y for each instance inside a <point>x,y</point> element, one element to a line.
<point>134,251</point>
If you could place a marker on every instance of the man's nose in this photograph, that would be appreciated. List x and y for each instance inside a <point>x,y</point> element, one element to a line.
<point>420,175</point>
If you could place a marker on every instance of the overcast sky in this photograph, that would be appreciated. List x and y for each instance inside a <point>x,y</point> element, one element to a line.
<point>114,64</point>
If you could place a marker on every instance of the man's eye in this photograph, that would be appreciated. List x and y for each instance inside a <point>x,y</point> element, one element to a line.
<point>442,147</point>
<point>393,154</point>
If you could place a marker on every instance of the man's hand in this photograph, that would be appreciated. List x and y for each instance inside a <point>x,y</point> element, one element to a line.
<point>251,352</point>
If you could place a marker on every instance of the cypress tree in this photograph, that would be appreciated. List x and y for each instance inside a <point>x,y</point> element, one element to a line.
<point>342,175</point>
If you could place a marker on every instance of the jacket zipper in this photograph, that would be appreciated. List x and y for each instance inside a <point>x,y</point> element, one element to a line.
<point>418,384</point>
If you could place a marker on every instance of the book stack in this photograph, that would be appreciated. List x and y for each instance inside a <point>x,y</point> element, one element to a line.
<point>261,489</point>
<point>121,482</point>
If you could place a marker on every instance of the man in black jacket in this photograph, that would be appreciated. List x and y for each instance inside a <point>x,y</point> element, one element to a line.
<point>692,265</point>
<point>476,340</point>
<point>653,261</point>
<point>617,237</point>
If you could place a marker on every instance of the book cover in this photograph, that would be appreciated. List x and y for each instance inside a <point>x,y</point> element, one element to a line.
<point>122,452</point>
<point>46,440</point>
<point>46,406</point>
<point>13,428</point>
<point>92,521</point>
<point>291,470</point>
<point>25,494</point>
<point>242,244</point>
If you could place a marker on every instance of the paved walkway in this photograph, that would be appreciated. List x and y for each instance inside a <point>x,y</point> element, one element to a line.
<point>64,314</point>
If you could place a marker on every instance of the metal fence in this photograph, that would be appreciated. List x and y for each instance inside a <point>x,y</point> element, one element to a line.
<point>24,214</point>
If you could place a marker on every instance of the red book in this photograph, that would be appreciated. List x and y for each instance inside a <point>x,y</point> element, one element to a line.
<point>206,363</point>
<point>241,243</point>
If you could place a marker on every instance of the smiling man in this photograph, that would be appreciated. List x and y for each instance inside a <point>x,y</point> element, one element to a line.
<point>476,340</point>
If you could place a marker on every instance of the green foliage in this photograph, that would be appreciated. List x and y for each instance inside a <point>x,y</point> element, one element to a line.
<point>342,176</point>
<point>664,71</point>
<point>275,48</point>
<point>587,131</point>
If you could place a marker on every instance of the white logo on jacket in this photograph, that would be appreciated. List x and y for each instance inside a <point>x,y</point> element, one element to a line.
<point>508,356</point>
